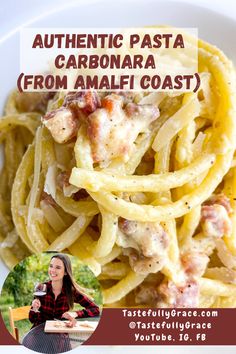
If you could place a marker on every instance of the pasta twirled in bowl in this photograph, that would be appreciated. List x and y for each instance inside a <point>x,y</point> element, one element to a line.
<point>141,187</point>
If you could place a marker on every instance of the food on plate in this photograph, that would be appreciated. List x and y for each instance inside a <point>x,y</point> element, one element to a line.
<point>86,324</point>
<point>59,324</point>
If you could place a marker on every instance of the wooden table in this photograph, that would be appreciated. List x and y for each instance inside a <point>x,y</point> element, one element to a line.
<point>46,338</point>
<point>77,335</point>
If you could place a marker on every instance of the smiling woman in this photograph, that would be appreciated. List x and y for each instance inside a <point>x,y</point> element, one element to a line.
<point>60,298</point>
<point>62,292</point>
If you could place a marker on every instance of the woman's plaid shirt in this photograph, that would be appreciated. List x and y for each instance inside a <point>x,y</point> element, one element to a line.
<point>53,309</point>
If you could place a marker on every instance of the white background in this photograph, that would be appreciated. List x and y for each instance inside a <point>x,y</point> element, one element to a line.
<point>16,13</point>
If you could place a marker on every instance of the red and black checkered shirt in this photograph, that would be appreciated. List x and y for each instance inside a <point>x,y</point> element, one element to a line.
<point>52,308</point>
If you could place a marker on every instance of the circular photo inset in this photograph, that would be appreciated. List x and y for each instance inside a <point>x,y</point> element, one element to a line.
<point>51,302</point>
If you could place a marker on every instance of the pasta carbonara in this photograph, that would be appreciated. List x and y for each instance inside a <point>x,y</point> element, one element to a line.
<point>140,186</point>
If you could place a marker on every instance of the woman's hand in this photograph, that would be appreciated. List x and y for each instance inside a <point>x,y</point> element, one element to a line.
<point>36,304</point>
<point>72,321</point>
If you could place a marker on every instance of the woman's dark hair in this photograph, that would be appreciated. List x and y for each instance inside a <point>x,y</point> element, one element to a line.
<point>69,283</point>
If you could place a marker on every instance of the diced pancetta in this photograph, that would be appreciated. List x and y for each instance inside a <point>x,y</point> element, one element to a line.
<point>220,199</point>
<point>145,244</point>
<point>146,294</point>
<point>215,220</point>
<point>141,264</point>
<point>194,263</point>
<point>113,128</point>
<point>62,124</point>
<point>171,295</point>
<point>85,102</point>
